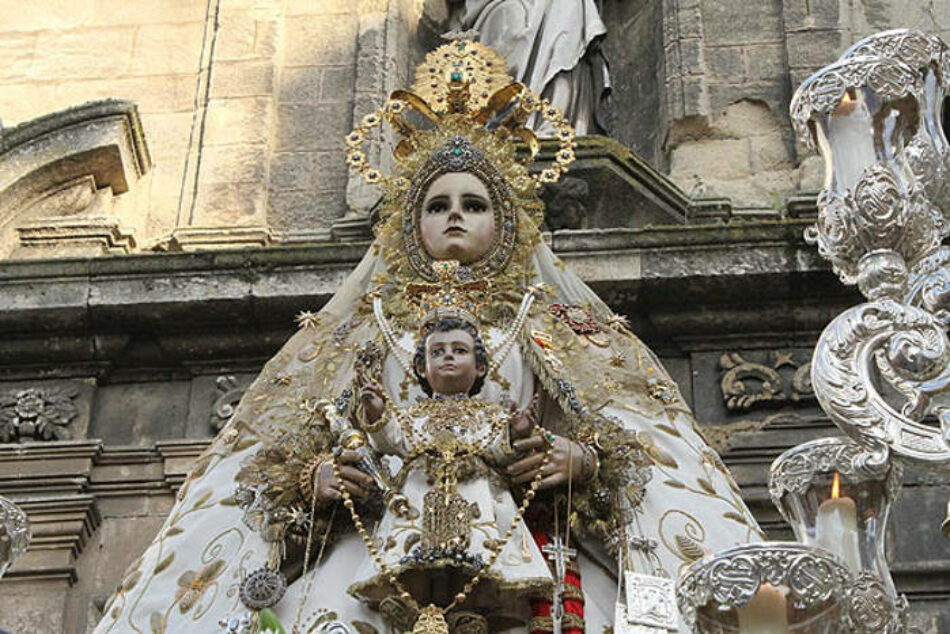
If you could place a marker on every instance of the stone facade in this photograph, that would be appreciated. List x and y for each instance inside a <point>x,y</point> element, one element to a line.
<point>156,154</point>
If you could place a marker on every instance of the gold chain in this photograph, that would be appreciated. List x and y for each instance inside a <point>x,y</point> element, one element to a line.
<point>306,555</point>
<point>405,420</point>
<point>430,611</point>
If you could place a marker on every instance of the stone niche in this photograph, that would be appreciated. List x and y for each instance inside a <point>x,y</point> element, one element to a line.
<point>67,181</point>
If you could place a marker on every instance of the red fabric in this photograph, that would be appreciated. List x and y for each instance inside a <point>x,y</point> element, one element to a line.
<point>542,607</point>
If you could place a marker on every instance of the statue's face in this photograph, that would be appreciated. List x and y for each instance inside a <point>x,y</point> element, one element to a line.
<point>450,362</point>
<point>457,221</point>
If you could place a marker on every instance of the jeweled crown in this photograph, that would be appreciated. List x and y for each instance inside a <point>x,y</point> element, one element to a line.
<point>462,89</point>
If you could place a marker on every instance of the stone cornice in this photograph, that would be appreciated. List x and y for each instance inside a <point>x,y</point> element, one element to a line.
<point>60,485</point>
<point>89,289</point>
<point>80,314</point>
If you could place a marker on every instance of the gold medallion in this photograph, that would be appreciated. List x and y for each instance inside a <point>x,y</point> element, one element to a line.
<point>431,621</point>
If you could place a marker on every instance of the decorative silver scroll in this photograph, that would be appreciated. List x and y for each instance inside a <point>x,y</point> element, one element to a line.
<point>878,346</point>
<point>814,579</point>
<point>927,54</point>
<point>14,533</point>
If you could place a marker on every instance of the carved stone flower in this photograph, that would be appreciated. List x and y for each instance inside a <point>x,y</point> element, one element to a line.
<point>37,414</point>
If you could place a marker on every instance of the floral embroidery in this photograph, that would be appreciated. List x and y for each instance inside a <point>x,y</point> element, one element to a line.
<point>578,318</point>
<point>193,584</point>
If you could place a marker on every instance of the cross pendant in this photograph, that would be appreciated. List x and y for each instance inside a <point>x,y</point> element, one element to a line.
<point>560,555</point>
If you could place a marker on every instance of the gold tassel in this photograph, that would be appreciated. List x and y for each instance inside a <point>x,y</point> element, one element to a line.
<point>431,621</point>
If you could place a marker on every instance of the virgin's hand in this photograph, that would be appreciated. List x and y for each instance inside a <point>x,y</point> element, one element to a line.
<point>524,421</point>
<point>566,463</point>
<point>328,488</point>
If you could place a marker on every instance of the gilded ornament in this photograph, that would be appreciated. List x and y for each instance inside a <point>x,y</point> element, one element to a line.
<point>431,621</point>
<point>263,588</point>
<point>307,319</point>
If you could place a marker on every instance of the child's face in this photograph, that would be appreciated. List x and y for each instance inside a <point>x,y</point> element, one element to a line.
<point>450,362</point>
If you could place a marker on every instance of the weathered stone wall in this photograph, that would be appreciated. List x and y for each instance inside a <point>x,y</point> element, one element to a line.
<point>244,103</point>
<point>730,69</point>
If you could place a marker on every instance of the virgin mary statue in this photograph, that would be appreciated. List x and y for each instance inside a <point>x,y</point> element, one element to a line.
<point>597,473</point>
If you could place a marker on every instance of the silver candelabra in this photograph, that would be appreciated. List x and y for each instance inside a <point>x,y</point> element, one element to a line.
<point>881,369</point>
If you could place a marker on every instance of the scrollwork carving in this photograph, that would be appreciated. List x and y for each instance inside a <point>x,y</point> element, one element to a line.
<point>896,345</point>
<point>732,577</point>
<point>747,384</point>
<point>870,234</point>
<point>823,91</point>
<point>229,393</point>
<point>740,395</point>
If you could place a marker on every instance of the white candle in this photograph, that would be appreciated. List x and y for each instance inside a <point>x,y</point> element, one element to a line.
<point>851,128</point>
<point>837,527</point>
<point>765,613</point>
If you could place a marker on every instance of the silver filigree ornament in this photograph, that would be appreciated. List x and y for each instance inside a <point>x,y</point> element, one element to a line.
<point>728,580</point>
<point>929,285</point>
<point>886,344</point>
<point>870,235</point>
<point>871,609</point>
<point>823,91</point>
<point>928,153</point>
<point>263,588</point>
<point>14,533</point>
<point>795,470</point>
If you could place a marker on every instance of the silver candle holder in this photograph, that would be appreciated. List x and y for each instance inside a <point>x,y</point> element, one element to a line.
<point>880,369</point>
<point>836,495</point>
<point>928,152</point>
<point>768,588</point>
<point>14,533</point>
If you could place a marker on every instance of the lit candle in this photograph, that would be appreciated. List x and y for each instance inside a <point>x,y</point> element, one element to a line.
<point>765,613</point>
<point>851,132</point>
<point>837,527</point>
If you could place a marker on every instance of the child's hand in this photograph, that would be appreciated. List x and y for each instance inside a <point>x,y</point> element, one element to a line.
<point>373,402</point>
<point>370,393</point>
<point>523,422</point>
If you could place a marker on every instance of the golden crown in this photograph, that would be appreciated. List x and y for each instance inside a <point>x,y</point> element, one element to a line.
<point>449,297</point>
<point>462,88</point>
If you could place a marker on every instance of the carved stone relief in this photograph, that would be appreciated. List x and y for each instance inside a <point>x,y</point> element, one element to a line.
<point>37,413</point>
<point>62,177</point>
<point>229,393</point>
<point>748,384</point>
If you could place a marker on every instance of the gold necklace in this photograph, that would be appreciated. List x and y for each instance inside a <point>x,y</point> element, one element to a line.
<point>445,414</point>
<point>431,619</point>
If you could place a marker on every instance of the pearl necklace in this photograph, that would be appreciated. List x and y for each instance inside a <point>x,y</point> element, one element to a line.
<point>389,336</point>
<point>500,352</point>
